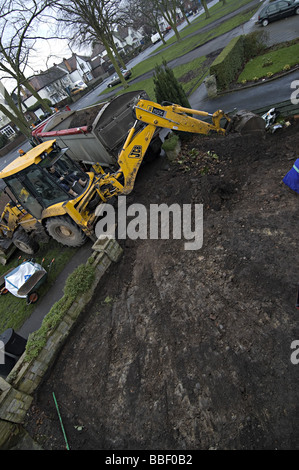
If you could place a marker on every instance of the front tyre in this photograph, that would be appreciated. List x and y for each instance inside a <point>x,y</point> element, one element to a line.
<point>65,231</point>
<point>24,243</point>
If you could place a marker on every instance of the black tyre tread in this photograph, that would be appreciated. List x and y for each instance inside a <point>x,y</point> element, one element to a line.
<point>79,237</point>
<point>23,237</point>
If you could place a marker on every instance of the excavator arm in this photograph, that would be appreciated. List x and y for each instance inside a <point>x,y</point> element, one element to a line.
<point>153,115</point>
<point>177,118</point>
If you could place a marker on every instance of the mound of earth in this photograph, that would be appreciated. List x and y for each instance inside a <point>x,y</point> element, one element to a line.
<point>191,349</point>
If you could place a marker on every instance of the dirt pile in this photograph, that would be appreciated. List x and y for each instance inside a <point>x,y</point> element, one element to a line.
<point>191,349</point>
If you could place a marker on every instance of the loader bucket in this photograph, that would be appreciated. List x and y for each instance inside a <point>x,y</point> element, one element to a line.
<point>246,122</point>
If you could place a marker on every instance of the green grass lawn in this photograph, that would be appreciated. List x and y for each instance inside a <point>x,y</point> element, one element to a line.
<point>270,63</point>
<point>181,48</point>
<point>195,69</point>
<point>13,310</point>
<point>217,11</point>
<point>175,49</point>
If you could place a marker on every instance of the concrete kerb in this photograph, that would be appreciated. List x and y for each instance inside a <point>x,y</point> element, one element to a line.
<point>16,391</point>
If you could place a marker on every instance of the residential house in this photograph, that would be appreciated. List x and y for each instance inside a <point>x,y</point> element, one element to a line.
<point>127,38</point>
<point>98,61</point>
<point>56,83</point>
<point>79,68</point>
<point>53,84</point>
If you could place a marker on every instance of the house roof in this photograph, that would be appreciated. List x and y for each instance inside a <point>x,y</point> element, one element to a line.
<point>46,78</point>
<point>97,49</point>
<point>122,32</point>
<point>56,72</point>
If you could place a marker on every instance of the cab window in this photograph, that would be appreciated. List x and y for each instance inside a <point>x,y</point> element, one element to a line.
<point>29,202</point>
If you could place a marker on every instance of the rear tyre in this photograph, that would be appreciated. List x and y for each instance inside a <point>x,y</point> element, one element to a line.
<point>24,243</point>
<point>65,231</point>
<point>297,11</point>
<point>265,22</point>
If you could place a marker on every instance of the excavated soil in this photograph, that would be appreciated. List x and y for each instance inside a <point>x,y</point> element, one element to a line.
<point>191,349</point>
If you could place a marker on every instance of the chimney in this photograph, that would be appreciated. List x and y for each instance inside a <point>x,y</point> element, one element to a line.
<point>67,64</point>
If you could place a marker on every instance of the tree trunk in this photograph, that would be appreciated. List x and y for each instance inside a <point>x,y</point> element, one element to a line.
<point>185,16</point>
<point>161,37</point>
<point>22,125</point>
<point>204,4</point>
<point>117,54</point>
<point>10,102</point>
<point>114,62</point>
<point>34,93</point>
<point>177,34</point>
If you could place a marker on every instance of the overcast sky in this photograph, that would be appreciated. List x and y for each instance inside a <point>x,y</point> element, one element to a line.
<point>46,53</point>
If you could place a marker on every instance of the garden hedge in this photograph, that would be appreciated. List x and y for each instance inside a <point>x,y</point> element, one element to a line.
<point>228,63</point>
<point>233,57</point>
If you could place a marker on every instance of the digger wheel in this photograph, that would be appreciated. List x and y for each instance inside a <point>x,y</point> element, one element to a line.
<point>24,243</point>
<point>65,231</point>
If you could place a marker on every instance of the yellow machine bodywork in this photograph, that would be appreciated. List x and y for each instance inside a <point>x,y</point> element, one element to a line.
<point>103,185</point>
<point>172,117</point>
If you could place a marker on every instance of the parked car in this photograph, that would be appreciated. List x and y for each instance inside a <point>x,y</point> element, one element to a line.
<point>77,87</point>
<point>115,79</point>
<point>278,10</point>
<point>76,90</point>
<point>155,38</point>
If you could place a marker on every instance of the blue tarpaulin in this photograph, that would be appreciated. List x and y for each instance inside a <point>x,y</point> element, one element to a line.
<point>291,179</point>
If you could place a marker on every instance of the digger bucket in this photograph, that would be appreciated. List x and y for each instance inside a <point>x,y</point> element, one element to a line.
<point>246,122</point>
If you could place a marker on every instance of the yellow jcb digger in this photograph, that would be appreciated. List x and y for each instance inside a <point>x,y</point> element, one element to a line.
<point>51,192</point>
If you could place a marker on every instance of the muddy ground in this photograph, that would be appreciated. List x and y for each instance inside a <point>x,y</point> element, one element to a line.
<point>191,349</point>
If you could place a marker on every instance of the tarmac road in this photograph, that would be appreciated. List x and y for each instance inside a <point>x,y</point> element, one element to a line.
<point>252,98</point>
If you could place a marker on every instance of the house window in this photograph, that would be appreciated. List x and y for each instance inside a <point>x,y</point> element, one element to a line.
<point>8,131</point>
<point>88,76</point>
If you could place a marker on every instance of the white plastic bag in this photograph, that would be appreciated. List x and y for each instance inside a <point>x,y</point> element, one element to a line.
<point>17,278</point>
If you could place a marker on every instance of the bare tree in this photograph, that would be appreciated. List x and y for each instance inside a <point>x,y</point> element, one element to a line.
<point>181,6</point>
<point>168,9</point>
<point>204,4</point>
<point>17,38</point>
<point>145,13</point>
<point>93,21</point>
<point>17,21</point>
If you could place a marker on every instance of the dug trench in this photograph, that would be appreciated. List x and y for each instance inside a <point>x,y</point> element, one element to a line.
<point>191,349</point>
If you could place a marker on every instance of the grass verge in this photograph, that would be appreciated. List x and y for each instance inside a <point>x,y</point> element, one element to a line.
<point>217,12</point>
<point>77,284</point>
<point>174,50</point>
<point>190,75</point>
<point>13,310</point>
<point>275,60</point>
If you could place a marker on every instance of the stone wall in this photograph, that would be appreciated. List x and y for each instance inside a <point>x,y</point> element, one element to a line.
<point>16,391</point>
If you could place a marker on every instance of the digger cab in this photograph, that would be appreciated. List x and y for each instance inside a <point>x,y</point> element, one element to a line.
<point>44,177</point>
